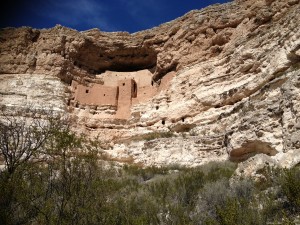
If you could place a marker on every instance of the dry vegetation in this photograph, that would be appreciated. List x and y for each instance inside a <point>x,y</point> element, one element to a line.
<point>68,188</point>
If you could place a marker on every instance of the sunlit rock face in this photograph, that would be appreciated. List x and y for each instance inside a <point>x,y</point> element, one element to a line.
<point>34,91</point>
<point>222,82</point>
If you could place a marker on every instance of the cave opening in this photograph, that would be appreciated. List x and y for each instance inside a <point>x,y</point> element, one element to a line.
<point>119,60</point>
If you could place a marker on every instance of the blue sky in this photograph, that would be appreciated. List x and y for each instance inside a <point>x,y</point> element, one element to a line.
<point>107,15</point>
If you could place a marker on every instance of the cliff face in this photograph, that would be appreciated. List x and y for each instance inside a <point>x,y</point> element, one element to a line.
<point>224,82</point>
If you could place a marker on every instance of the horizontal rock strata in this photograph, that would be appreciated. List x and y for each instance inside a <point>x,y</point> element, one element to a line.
<point>224,82</point>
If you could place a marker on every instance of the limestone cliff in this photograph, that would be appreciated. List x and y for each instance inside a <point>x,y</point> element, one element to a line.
<point>224,82</point>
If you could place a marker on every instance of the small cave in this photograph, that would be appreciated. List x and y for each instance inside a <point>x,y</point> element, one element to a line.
<point>179,128</point>
<point>35,36</point>
<point>122,59</point>
<point>251,148</point>
<point>163,122</point>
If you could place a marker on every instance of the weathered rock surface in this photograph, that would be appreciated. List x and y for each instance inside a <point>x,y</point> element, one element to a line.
<point>256,166</point>
<point>34,91</point>
<point>235,93</point>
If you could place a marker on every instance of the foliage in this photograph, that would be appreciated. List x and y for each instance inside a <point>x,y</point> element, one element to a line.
<point>291,188</point>
<point>153,135</point>
<point>64,181</point>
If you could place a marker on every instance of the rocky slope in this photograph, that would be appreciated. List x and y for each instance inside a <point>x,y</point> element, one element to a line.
<point>235,92</point>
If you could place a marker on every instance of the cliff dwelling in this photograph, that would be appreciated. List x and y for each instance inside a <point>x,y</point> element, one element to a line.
<point>116,93</point>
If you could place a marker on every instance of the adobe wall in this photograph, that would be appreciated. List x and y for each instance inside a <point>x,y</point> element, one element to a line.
<point>144,93</point>
<point>74,85</point>
<point>142,77</point>
<point>120,90</point>
<point>96,95</point>
<point>127,90</point>
<point>166,80</point>
<point>148,91</point>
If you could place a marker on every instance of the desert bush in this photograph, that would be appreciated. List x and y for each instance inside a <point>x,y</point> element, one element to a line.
<point>212,195</point>
<point>220,202</point>
<point>153,135</point>
<point>145,174</point>
<point>217,170</point>
<point>64,182</point>
<point>290,186</point>
<point>238,211</point>
<point>187,186</point>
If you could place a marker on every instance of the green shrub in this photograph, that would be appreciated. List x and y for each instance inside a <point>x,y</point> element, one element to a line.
<point>291,188</point>
<point>217,170</point>
<point>153,135</point>
<point>238,211</point>
<point>145,173</point>
<point>71,186</point>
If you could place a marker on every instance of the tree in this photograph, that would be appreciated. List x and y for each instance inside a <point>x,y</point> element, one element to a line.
<point>23,139</point>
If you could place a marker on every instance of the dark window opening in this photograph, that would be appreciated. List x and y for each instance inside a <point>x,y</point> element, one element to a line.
<point>134,90</point>
<point>117,95</point>
<point>123,84</point>
<point>163,122</point>
<point>157,107</point>
<point>152,83</point>
<point>86,91</point>
<point>182,119</point>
